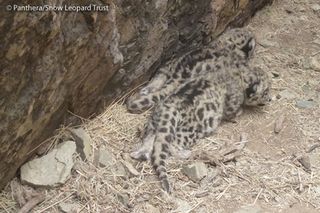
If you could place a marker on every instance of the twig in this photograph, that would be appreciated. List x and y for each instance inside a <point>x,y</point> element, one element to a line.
<point>4,207</point>
<point>257,197</point>
<point>300,181</point>
<point>202,194</point>
<point>130,168</point>
<point>316,53</point>
<point>224,191</point>
<point>52,205</point>
<point>32,203</point>
<point>194,207</point>
<point>313,147</point>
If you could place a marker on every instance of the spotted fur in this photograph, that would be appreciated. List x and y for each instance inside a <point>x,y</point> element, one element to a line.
<point>212,84</point>
<point>175,73</point>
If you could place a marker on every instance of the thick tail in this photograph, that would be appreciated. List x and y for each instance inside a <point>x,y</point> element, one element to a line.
<point>165,118</point>
<point>158,159</point>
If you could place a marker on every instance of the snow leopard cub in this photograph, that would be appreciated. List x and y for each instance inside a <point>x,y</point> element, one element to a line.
<point>178,71</point>
<point>204,87</point>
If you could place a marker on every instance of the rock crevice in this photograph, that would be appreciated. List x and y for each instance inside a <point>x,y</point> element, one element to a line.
<point>54,63</point>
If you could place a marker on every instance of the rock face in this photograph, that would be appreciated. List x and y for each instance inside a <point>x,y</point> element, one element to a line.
<point>53,63</point>
<point>51,169</point>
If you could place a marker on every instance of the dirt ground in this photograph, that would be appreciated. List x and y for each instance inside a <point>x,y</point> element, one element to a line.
<point>274,172</point>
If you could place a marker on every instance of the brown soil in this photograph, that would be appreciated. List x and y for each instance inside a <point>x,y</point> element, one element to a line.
<point>268,176</point>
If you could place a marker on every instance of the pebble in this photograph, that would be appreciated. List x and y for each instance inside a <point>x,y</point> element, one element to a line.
<point>68,207</point>
<point>312,63</point>
<point>105,157</point>
<point>83,142</point>
<point>286,94</point>
<point>267,43</point>
<point>51,169</point>
<point>275,74</point>
<point>315,7</point>
<point>315,63</point>
<point>183,206</point>
<point>124,199</point>
<point>150,208</point>
<point>119,170</point>
<point>314,159</point>
<point>305,104</point>
<point>195,171</point>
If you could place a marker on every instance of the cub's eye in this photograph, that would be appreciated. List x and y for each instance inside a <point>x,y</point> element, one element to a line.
<point>266,92</point>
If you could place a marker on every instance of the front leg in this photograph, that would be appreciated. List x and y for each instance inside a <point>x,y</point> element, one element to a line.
<point>231,117</point>
<point>155,84</point>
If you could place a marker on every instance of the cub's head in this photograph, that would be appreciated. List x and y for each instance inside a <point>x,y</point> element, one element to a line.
<point>257,91</point>
<point>239,38</point>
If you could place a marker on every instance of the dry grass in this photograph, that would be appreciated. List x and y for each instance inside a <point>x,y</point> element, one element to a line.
<point>268,171</point>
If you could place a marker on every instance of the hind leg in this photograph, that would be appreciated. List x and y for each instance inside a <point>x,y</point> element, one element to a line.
<point>139,103</point>
<point>144,152</point>
<point>166,118</point>
<point>147,96</point>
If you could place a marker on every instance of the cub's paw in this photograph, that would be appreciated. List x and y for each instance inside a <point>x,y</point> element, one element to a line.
<point>142,155</point>
<point>145,91</point>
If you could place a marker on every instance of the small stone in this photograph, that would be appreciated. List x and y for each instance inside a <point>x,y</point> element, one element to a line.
<point>305,104</point>
<point>119,170</point>
<point>202,209</point>
<point>278,125</point>
<point>250,209</point>
<point>267,43</point>
<point>306,87</point>
<point>286,94</point>
<point>289,11</point>
<point>315,63</point>
<point>52,169</point>
<point>315,7</point>
<point>150,208</point>
<point>305,162</point>
<point>68,207</point>
<point>195,171</point>
<point>312,63</point>
<point>83,142</point>
<point>275,74</point>
<point>317,189</point>
<point>123,198</point>
<point>183,206</point>
<point>105,158</point>
<point>314,159</point>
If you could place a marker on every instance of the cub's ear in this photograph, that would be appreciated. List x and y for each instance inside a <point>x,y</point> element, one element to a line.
<point>249,47</point>
<point>252,89</point>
